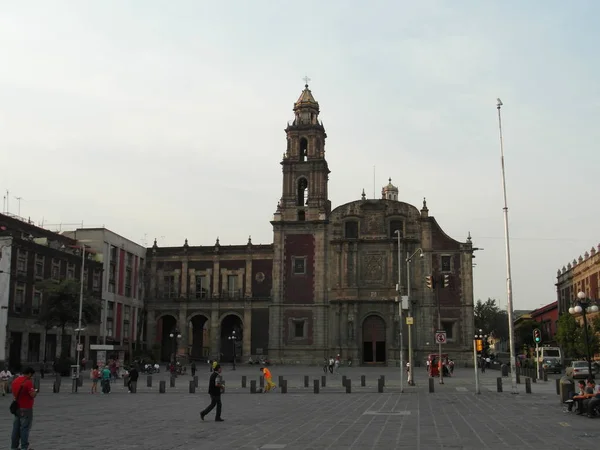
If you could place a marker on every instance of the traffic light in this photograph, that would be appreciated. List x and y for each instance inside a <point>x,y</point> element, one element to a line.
<point>430,282</point>
<point>445,281</point>
<point>537,336</point>
<point>479,345</point>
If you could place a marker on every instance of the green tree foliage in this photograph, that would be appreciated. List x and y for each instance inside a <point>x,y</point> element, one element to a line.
<point>491,319</point>
<point>60,305</point>
<point>571,336</point>
<point>524,332</point>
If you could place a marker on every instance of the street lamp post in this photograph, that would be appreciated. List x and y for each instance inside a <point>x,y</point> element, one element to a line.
<point>233,339</point>
<point>175,335</point>
<point>408,294</point>
<point>582,307</point>
<point>79,329</point>
<point>398,289</point>
<point>477,338</point>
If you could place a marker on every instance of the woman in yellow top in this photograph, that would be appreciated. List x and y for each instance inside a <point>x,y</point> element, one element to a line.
<point>268,379</point>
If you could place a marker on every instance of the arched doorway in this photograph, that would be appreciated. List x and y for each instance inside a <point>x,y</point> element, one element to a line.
<point>199,333</point>
<point>373,336</point>
<point>167,346</point>
<point>229,324</point>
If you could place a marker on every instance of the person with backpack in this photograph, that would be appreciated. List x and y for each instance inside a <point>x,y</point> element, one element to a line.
<point>24,394</point>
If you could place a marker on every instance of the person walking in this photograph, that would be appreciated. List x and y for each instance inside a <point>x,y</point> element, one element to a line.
<point>5,375</point>
<point>268,379</point>
<point>215,389</point>
<point>133,378</point>
<point>24,394</point>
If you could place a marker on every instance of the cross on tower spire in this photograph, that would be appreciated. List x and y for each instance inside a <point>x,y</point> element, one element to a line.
<point>306,80</point>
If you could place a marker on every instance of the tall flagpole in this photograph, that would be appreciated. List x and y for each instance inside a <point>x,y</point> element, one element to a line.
<point>509,300</point>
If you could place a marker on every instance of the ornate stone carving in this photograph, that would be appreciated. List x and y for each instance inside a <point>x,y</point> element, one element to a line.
<point>373,267</point>
<point>260,277</point>
<point>373,225</point>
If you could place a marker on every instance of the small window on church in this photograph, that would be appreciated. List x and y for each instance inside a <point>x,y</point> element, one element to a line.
<point>301,216</point>
<point>303,149</point>
<point>351,229</point>
<point>396,225</point>
<point>446,263</point>
<point>302,194</point>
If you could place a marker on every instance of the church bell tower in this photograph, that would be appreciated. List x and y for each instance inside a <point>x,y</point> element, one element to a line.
<point>305,169</point>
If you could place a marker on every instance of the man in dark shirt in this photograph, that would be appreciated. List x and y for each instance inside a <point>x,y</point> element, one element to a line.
<point>133,377</point>
<point>215,387</point>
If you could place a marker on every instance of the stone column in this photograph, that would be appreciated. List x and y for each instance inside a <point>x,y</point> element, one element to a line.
<point>215,331</point>
<point>192,278</point>
<point>184,278</point>
<point>247,342</point>
<point>151,328</point>
<point>215,280</point>
<point>183,325</point>
<point>248,287</point>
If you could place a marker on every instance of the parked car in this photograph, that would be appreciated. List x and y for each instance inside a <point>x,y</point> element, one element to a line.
<point>579,369</point>
<point>552,365</point>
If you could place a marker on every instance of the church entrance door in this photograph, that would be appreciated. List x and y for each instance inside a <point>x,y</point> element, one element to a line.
<point>373,332</point>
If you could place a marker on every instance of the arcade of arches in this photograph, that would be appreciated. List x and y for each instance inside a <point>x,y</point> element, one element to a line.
<point>373,336</point>
<point>199,336</point>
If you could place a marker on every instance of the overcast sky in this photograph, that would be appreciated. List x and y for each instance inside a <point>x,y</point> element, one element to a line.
<point>165,118</point>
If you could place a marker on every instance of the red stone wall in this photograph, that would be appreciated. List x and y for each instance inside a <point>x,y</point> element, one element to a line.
<point>262,289</point>
<point>299,289</point>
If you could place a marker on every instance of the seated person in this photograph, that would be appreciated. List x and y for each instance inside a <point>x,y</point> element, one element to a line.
<point>574,397</point>
<point>582,397</point>
<point>593,400</point>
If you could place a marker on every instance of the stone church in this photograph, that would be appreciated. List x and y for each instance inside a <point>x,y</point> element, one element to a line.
<point>329,284</point>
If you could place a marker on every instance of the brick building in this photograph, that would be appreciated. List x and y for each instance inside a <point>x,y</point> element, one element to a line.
<point>122,289</point>
<point>30,254</point>
<point>547,316</point>
<point>582,274</point>
<point>326,285</point>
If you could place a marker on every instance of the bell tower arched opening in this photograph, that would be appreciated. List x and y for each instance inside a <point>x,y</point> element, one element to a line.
<point>303,150</point>
<point>302,192</point>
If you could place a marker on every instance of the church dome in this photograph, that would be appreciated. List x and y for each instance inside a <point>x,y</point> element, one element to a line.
<point>389,192</point>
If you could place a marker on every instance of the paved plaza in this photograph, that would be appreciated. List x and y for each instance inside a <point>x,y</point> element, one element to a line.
<point>452,417</point>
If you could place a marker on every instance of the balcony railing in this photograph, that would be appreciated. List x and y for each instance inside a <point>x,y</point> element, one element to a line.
<point>232,294</point>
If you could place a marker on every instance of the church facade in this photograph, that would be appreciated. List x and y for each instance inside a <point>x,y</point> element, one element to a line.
<point>329,284</point>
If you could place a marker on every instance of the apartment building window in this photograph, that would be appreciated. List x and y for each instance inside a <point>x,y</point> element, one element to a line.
<point>202,287</point>
<point>36,303</point>
<point>19,298</point>
<point>70,271</point>
<point>232,285</point>
<point>446,263</point>
<point>22,262</point>
<point>127,313</point>
<point>109,328</point>
<point>128,282</point>
<point>126,330</point>
<point>55,273</point>
<point>170,287</point>
<point>96,281</point>
<point>39,267</point>
<point>111,310</point>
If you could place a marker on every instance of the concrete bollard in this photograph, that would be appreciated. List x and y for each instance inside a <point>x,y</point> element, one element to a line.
<point>518,378</point>
<point>80,380</point>
<point>55,387</point>
<point>196,380</point>
<point>57,379</point>
<point>253,386</point>
<point>344,378</point>
<point>172,381</point>
<point>545,376</point>
<point>348,386</point>
<point>528,385</point>
<point>133,389</point>
<point>306,381</point>
<point>363,380</point>
<point>499,384</point>
<point>323,381</point>
<point>149,381</point>
<point>192,387</point>
<point>558,386</point>
<point>316,386</point>
<point>262,381</point>
<point>283,386</point>
<point>244,381</point>
<point>382,377</point>
<point>125,381</point>
<point>431,386</point>
<point>162,387</point>
<point>380,385</point>
<point>280,380</point>
<point>533,378</point>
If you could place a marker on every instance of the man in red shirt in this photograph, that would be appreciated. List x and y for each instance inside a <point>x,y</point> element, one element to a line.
<point>23,393</point>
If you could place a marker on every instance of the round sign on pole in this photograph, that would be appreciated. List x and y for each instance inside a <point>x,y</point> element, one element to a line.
<point>440,337</point>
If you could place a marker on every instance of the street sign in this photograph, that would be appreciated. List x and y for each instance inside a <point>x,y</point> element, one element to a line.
<point>409,321</point>
<point>79,347</point>
<point>440,337</point>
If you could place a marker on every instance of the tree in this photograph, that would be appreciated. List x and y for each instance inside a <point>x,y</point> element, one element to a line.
<point>524,332</point>
<point>60,307</point>
<point>491,319</point>
<point>568,334</point>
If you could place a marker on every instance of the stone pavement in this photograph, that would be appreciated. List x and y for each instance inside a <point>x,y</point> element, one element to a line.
<point>452,417</point>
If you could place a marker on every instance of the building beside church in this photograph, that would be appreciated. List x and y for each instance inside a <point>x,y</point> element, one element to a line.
<point>328,283</point>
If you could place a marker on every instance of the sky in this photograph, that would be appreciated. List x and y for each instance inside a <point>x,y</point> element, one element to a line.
<point>165,119</point>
